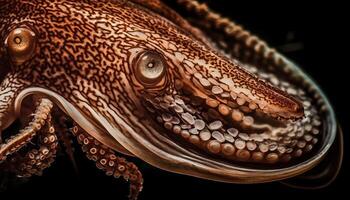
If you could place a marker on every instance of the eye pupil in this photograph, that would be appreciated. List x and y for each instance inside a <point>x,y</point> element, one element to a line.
<point>150,67</point>
<point>18,40</point>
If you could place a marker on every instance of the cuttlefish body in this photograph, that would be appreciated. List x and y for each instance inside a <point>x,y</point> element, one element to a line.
<point>135,77</point>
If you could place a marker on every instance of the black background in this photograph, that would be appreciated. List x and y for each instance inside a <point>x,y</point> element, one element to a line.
<point>319,31</point>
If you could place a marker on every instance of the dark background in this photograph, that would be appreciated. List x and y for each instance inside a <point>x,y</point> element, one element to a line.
<point>320,46</point>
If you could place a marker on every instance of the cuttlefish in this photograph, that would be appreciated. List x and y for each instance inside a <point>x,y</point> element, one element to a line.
<point>199,96</point>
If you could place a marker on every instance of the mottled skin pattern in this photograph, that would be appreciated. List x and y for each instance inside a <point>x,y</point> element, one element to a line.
<point>204,112</point>
<point>74,40</point>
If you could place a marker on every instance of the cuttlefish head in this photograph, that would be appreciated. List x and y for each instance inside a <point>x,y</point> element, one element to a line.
<point>166,97</point>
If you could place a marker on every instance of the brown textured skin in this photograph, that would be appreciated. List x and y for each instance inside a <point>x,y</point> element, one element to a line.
<point>85,52</point>
<point>78,52</point>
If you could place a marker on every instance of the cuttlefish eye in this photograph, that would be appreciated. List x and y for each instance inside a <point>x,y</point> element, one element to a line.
<point>20,44</point>
<point>150,67</point>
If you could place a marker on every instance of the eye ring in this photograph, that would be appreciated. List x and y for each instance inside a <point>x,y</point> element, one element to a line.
<point>150,67</point>
<point>20,44</point>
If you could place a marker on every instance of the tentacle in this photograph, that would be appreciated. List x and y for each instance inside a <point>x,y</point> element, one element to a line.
<point>107,161</point>
<point>325,173</point>
<point>64,136</point>
<point>16,142</point>
<point>37,159</point>
<point>246,46</point>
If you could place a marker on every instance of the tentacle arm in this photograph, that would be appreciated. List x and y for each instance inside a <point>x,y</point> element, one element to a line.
<point>107,161</point>
<point>19,140</point>
<point>36,159</point>
<point>65,137</point>
<point>246,46</point>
